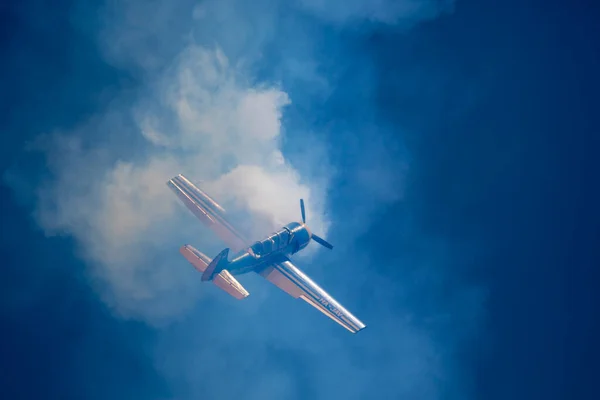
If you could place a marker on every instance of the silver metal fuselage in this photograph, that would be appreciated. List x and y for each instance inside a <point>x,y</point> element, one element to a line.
<point>288,240</point>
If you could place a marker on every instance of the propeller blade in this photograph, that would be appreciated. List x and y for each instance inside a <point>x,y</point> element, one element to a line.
<point>322,241</point>
<point>302,210</point>
<point>314,237</point>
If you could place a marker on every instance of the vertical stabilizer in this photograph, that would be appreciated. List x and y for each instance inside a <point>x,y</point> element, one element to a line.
<point>218,264</point>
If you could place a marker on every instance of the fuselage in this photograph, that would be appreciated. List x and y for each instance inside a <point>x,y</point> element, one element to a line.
<point>288,240</point>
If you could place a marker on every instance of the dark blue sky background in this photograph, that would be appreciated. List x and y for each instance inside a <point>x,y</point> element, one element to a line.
<point>493,109</point>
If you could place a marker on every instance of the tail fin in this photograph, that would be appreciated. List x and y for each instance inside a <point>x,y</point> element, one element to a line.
<point>216,265</point>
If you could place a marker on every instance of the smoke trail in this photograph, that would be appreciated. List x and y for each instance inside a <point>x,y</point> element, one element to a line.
<point>202,110</point>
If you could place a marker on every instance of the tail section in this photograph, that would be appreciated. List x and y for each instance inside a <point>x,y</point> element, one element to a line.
<point>228,283</point>
<point>198,260</point>
<point>220,276</point>
<point>217,265</point>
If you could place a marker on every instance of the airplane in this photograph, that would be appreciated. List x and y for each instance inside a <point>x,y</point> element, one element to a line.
<point>268,257</point>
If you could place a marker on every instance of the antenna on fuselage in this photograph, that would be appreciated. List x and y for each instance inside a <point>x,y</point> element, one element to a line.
<point>314,237</point>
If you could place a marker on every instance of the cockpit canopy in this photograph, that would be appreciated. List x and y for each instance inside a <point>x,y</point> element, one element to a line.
<point>277,241</point>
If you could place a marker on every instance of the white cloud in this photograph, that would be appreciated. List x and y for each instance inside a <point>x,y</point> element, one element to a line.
<point>199,113</point>
<point>202,120</point>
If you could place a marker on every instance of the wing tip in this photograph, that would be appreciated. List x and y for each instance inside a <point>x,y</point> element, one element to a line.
<point>173,179</point>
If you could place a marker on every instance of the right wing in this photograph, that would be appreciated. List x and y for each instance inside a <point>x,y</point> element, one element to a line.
<point>207,211</point>
<point>297,284</point>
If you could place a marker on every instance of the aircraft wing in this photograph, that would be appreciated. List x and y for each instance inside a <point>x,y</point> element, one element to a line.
<point>208,211</point>
<point>297,284</point>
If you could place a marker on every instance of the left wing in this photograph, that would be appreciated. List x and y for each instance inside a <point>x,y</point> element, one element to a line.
<point>297,284</point>
<point>208,211</point>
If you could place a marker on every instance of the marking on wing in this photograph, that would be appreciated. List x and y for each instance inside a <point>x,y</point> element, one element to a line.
<point>298,291</point>
<point>322,303</point>
<point>323,311</point>
<point>317,297</point>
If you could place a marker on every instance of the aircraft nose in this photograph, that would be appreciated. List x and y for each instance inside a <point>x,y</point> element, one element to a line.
<point>307,231</point>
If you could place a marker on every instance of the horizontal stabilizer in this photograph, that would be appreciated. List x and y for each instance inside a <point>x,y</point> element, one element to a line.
<point>199,260</point>
<point>223,279</point>
<point>228,283</point>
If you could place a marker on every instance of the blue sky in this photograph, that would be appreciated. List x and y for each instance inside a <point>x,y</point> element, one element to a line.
<point>445,148</point>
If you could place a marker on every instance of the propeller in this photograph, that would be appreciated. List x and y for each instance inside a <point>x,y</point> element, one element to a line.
<point>314,237</point>
<point>302,211</point>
